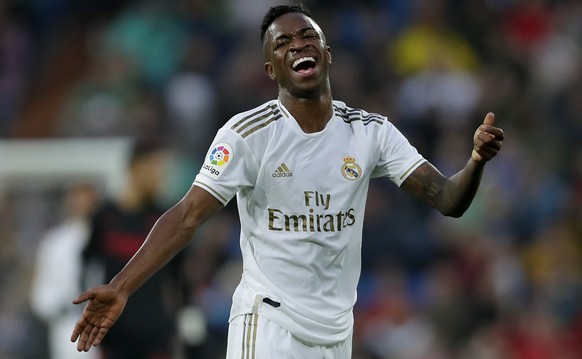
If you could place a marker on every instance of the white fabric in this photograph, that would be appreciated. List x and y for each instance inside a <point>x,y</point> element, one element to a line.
<point>301,200</point>
<point>56,282</point>
<point>270,341</point>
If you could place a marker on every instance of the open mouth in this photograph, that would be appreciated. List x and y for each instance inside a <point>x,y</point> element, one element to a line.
<point>304,65</point>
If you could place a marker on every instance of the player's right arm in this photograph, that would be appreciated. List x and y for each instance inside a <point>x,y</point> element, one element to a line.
<point>171,233</point>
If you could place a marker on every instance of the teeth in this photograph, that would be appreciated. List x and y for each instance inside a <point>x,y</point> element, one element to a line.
<point>301,60</point>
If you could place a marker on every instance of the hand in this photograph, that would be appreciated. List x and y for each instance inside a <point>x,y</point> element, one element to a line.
<point>487,140</point>
<point>104,306</point>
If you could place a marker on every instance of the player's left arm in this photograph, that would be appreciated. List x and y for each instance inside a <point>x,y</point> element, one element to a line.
<point>453,195</point>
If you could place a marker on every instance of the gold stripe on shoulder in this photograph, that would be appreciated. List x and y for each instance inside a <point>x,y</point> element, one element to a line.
<point>257,120</point>
<point>252,122</point>
<point>259,113</point>
<point>247,117</point>
<point>259,126</point>
<point>350,114</point>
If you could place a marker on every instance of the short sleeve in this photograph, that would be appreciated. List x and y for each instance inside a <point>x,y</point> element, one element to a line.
<point>398,158</point>
<point>229,165</point>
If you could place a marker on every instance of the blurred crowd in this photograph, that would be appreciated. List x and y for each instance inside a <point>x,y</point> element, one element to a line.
<point>502,282</point>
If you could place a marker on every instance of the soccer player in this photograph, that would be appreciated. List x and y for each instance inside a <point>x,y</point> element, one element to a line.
<point>299,166</point>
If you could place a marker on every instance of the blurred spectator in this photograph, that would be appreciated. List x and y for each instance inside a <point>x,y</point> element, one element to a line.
<point>439,89</point>
<point>248,15</point>
<point>16,49</point>
<point>191,99</point>
<point>58,271</point>
<point>553,261</point>
<point>391,326</point>
<point>149,35</point>
<point>111,101</point>
<point>428,41</point>
<point>526,26</point>
<point>118,229</point>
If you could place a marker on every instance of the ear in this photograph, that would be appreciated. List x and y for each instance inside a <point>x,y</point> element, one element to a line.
<point>328,49</point>
<point>269,70</point>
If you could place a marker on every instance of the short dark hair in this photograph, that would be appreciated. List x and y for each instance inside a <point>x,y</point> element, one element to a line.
<point>280,10</point>
<point>145,147</point>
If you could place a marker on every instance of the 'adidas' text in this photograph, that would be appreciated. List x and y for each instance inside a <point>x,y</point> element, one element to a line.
<point>282,171</point>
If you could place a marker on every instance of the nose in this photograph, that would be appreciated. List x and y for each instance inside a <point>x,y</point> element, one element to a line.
<point>298,43</point>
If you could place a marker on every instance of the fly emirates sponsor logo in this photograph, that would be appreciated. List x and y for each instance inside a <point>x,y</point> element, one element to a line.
<point>310,221</point>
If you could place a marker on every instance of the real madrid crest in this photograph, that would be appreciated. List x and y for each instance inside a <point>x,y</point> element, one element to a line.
<point>350,169</point>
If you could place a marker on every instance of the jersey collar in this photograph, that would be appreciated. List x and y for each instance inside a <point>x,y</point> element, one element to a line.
<point>293,123</point>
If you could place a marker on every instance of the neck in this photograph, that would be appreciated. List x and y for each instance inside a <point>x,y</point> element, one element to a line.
<point>312,114</point>
<point>132,200</point>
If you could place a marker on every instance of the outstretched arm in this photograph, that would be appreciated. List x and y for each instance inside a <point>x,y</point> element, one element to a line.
<point>171,233</point>
<point>452,196</point>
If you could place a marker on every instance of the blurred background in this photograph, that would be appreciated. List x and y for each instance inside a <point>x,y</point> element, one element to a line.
<point>80,81</point>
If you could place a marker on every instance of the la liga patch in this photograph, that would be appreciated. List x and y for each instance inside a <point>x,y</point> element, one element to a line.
<point>218,158</point>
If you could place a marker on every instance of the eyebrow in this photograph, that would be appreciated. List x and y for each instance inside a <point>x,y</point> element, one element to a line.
<point>288,36</point>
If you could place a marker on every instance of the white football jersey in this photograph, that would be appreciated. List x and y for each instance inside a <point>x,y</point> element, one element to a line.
<point>301,199</point>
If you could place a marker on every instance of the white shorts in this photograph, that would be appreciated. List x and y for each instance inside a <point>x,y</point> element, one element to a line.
<point>252,336</point>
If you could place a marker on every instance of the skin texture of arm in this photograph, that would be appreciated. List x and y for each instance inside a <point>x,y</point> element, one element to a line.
<point>171,233</point>
<point>452,196</point>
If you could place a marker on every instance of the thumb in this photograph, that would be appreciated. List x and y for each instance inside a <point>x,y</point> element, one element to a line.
<point>83,297</point>
<point>489,119</point>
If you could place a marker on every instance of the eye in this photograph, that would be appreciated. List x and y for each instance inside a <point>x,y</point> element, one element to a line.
<point>311,35</point>
<point>281,43</point>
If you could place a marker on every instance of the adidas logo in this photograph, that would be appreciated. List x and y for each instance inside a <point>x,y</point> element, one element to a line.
<point>282,171</point>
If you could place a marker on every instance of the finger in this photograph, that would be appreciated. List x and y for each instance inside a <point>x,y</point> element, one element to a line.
<point>100,336</point>
<point>497,132</point>
<point>88,338</point>
<point>483,138</point>
<point>75,334</point>
<point>488,146</point>
<point>483,155</point>
<point>82,323</point>
<point>492,131</point>
<point>487,139</point>
<point>83,334</point>
<point>94,335</point>
<point>488,127</point>
<point>486,149</point>
<point>487,152</point>
<point>82,342</point>
<point>83,297</point>
<point>489,119</point>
